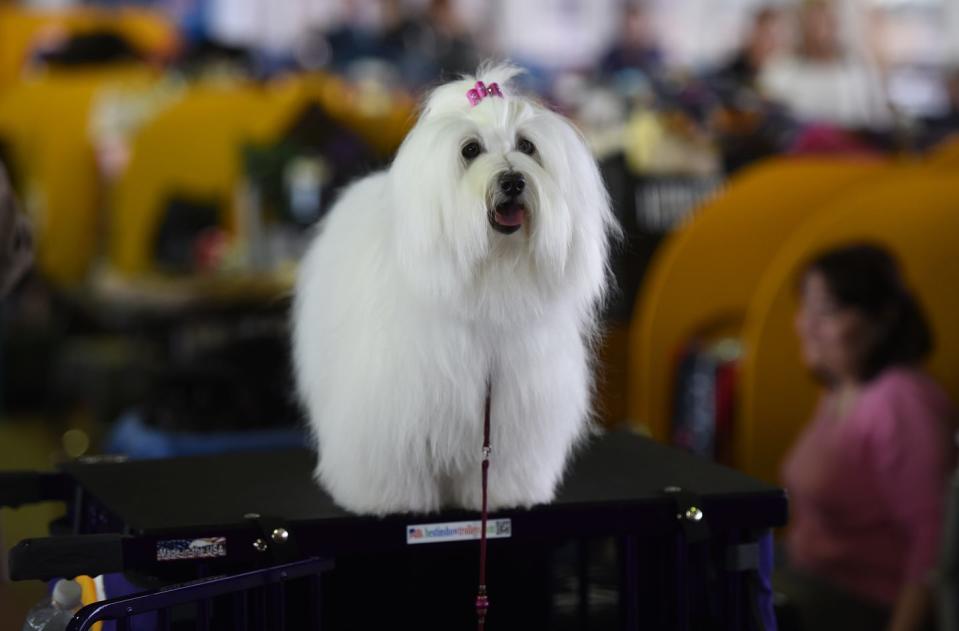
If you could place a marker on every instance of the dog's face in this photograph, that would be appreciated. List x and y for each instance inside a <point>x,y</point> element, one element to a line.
<point>506,194</point>
<point>496,188</point>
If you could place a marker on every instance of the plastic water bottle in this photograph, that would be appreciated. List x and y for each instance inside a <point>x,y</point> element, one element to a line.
<point>54,612</point>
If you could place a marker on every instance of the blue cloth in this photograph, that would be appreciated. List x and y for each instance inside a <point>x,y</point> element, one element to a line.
<point>135,439</point>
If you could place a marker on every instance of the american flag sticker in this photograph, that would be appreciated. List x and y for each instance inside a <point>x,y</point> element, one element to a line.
<point>458,531</point>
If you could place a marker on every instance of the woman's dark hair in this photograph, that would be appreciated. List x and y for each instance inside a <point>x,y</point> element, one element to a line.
<point>866,277</point>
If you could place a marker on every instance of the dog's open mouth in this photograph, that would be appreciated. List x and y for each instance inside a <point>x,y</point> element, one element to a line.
<point>508,217</point>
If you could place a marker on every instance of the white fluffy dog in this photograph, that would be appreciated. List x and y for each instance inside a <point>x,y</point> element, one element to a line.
<point>480,254</point>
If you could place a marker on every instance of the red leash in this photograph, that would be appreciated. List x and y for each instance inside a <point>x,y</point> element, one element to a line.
<point>482,601</point>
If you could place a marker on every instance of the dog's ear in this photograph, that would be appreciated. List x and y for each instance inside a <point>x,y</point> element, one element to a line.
<point>438,235</point>
<point>418,179</point>
<point>589,206</point>
<point>587,189</point>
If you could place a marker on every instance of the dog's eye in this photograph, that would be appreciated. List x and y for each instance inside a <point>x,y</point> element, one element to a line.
<point>526,146</point>
<point>471,150</point>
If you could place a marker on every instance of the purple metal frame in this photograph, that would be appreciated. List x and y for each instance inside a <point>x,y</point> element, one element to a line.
<point>201,592</point>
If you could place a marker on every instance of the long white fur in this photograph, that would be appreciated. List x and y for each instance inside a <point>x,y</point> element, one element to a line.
<point>408,301</point>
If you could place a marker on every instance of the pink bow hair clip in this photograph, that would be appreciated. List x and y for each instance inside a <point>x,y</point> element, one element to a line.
<point>481,91</point>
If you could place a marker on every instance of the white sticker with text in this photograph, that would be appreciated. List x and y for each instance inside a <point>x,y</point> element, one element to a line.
<point>458,531</point>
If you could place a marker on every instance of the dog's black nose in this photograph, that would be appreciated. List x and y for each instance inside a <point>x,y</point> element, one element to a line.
<point>512,184</point>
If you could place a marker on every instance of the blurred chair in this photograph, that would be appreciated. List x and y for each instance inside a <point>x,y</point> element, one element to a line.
<point>704,275</point>
<point>913,211</point>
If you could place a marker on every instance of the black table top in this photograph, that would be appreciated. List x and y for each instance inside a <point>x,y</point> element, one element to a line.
<point>615,470</point>
<point>128,512</point>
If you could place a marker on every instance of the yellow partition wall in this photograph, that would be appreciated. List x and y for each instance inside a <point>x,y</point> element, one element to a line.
<point>149,31</point>
<point>192,147</point>
<point>46,120</point>
<point>382,121</point>
<point>915,213</point>
<point>707,271</point>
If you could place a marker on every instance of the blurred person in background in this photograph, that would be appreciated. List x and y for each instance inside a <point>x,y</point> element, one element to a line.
<point>750,127</point>
<point>867,477</point>
<point>827,80</point>
<point>946,123</point>
<point>764,40</point>
<point>272,32</point>
<point>358,34</point>
<point>419,45</point>
<point>551,37</point>
<point>951,118</point>
<point>952,96</point>
<point>637,47</point>
<point>430,45</point>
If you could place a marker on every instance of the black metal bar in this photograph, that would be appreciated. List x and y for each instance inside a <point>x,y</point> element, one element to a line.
<point>77,509</point>
<point>582,571</point>
<point>262,607</point>
<point>316,595</point>
<point>629,587</point>
<point>52,557</point>
<point>733,577</point>
<point>735,598</point>
<point>30,487</point>
<point>680,585</point>
<point>279,595</point>
<point>203,615</point>
<point>241,612</point>
<point>121,608</point>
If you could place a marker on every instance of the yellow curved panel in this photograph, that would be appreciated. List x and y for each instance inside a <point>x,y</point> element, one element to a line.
<point>382,120</point>
<point>47,121</point>
<point>149,31</point>
<point>707,271</point>
<point>915,213</point>
<point>192,147</point>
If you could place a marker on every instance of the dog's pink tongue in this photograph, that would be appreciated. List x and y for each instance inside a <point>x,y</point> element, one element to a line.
<point>511,215</point>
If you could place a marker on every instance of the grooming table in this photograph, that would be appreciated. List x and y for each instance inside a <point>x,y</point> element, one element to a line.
<point>685,532</point>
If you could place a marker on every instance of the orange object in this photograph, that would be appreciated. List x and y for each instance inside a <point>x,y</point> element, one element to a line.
<point>704,275</point>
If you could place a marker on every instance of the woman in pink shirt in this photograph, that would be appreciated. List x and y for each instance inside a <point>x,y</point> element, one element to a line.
<point>867,478</point>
